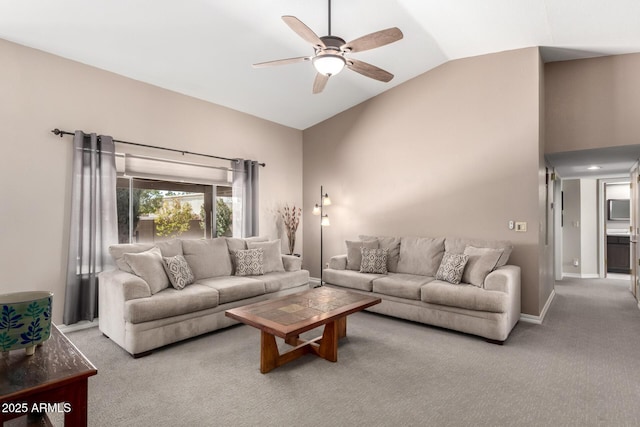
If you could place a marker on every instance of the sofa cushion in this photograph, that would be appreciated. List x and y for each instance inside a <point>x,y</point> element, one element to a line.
<point>464,296</point>
<point>150,267</point>
<point>170,302</point>
<point>458,244</point>
<point>350,279</point>
<point>278,281</point>
<point>420,255</point>
<point>374,261</point>
<point>354,252</point>
<point>236,244</point>
<point>207,257</point>
<point>272,254</point>
<point>452,267</point>
<point>482,261</point>
<point>234,288</point>
<point>401,285</point>
<point>170,248</point>
<point>392,245</point>
<point>249,262</point>
<point>178,270</point>
<point>117,253</point>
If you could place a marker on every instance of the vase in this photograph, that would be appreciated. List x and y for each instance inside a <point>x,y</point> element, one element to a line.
<point>25,320</point>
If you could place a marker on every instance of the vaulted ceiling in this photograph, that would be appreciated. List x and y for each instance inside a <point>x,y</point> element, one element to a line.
<point>205,48</point>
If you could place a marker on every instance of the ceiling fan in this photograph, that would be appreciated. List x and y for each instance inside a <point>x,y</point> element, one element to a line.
<point>330,52</point>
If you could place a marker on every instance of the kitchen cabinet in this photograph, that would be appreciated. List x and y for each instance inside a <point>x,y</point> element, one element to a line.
<point>618,254</point>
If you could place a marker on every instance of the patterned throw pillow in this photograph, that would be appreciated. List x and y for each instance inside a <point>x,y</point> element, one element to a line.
<point>249,262</point>
<point>374,261</point>
<point>178,270</point>
<point>452,267</point>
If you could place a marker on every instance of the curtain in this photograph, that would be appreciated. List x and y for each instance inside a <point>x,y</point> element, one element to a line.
<point>245,197</point>
<point>94,223</point>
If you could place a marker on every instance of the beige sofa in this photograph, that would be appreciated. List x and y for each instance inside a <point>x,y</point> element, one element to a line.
<point>141,308</point>
<point>487,305</point>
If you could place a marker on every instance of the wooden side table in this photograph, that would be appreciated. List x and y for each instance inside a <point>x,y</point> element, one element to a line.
<point>54,379</point>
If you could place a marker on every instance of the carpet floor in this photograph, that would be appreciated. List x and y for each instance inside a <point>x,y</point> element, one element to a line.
<point>576,369</point>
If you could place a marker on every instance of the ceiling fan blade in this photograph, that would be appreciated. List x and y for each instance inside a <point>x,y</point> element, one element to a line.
<point>303,31</point>
<point>320,82</point>
<point>373,40</point>
<point>369,70</point>
<point>282,61</point>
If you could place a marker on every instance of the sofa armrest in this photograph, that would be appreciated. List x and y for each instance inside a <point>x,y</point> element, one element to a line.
<point>504,279</point>
<point>507,279</point>
<point>127,285</point>
<point>338,262</point>
<point>291,263</point>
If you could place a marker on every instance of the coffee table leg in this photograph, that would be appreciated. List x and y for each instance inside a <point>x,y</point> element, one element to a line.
<point>268,352</point>
<point>342,327</point>
<point>329,345</point>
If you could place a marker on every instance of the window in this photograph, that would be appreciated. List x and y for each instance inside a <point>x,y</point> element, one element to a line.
<point>154,210</point>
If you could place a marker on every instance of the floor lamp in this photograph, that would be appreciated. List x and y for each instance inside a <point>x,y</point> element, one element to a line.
<point>318,209</point>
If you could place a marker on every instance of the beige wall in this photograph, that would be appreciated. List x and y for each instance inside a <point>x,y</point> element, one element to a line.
<point>592,103</point>
<point>452,152</point>
<point>40,92</point>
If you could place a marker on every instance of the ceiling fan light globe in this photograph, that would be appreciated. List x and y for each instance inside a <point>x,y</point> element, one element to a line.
<point>329,64</point>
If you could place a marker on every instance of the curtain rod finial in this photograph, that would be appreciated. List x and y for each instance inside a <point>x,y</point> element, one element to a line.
<point>57,131</point>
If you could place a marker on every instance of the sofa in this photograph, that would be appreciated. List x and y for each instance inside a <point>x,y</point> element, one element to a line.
<point>173,290</point>
<point>457,283</point>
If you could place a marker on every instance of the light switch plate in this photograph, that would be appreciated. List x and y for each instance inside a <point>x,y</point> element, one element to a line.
<point>521,226</point>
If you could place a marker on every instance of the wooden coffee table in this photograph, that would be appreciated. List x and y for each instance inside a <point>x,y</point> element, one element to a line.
<point>289,316</point>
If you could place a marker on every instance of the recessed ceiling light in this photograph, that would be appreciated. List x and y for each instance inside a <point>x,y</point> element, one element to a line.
<point>594,168</point>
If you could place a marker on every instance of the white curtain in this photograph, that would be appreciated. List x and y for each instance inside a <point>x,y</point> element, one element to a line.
<point>94,223</point>
<point>245,197</point>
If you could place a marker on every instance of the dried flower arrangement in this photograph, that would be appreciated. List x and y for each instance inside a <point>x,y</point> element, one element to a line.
<point>291,219</point>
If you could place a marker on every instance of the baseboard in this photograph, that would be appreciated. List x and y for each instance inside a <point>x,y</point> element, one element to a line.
<point>85,324</point>
<point>581,276</point>
<point>529,318</point>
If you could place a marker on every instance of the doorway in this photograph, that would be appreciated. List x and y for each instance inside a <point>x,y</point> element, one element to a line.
<point>615,228</point>
<point>615,165</point>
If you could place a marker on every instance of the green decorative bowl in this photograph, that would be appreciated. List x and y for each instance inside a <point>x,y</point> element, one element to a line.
<point>25,320</point>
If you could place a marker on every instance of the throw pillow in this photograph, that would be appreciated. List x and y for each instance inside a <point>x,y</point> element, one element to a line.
<point>354,255</point>
<point>178,270</point>
<point>452,267</point>
<point>482,261</point>
<point>272,254</point>
<point>392,244</point>
<point>458,244</point>
<point>148,265</point>
<point>374,261</point>
<point>118,251</point>
<point>249,262</point>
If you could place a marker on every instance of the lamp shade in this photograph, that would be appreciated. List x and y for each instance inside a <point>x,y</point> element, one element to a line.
<point>326,201</point>
<point>328,64</point>
<point>316,210</point>
<point>325,221</point>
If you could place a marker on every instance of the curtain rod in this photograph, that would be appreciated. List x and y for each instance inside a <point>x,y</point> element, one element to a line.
<point>60,133</point>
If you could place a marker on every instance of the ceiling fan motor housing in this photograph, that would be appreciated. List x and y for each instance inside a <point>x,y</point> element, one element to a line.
<point>332,42</point>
